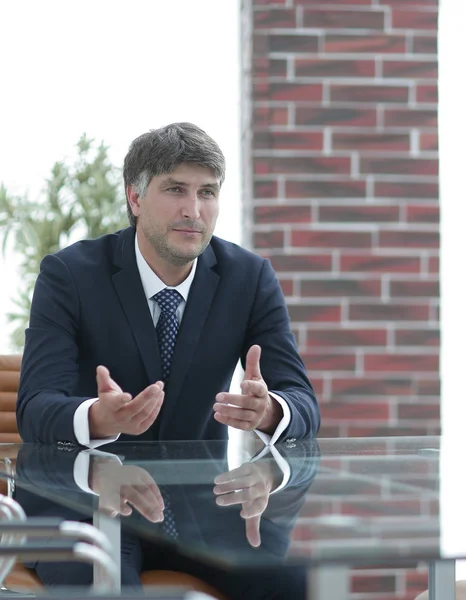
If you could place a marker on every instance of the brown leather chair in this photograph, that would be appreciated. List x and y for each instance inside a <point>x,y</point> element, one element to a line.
<point>21,578</point>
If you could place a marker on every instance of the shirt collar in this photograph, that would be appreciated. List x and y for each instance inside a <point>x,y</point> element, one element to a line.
<point>152,283</point>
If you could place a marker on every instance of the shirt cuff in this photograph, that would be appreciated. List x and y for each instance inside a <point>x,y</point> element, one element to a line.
<point>281,462</point>
<point>269,440</point>
<point>81,426</point>
<point>81,468</point>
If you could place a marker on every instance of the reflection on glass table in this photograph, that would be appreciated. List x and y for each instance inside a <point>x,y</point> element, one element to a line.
<point>335,503</point>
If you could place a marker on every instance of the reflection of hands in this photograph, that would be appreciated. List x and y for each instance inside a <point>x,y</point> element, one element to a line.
<point>119,486</point>
<point>254,408</point>
<point>250,485</point>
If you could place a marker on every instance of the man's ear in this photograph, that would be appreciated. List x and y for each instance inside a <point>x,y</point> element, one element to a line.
<point>134,201</point>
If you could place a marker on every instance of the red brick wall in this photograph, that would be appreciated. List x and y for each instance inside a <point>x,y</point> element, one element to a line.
<point>341,193</point>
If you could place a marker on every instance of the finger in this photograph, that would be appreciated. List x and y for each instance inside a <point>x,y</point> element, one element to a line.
<point>144,503</point>
<point>140,407</point>
<point>252,370</point>
<point>237,497</point>
<point>254,388</point>
<point>243,425</point>
<point>232,412</point>
<point>253,531</point>
<point>242,471</point>
<point>240,400</point>
<point>255,508</point>
<point>104,382</point>
<point>146,422</point>
<point>236,484</point>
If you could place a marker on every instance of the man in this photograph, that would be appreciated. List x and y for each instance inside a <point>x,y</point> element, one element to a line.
<point>103,356</point>
<point>136,335</point>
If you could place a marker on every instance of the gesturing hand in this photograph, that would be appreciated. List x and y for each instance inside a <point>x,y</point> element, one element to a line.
<point>254,408</point>
<point>117,412</point>
<point>249,485</point>
<point>120,486</point>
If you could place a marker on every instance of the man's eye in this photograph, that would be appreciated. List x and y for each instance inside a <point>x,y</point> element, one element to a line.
<point>174,189</point>
<point>208,192</point>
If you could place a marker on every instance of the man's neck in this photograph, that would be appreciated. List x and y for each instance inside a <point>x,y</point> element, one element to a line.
<point>171,275</point>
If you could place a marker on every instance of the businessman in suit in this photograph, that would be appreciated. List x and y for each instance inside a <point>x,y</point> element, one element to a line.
<point>252,524</point>
<point>125,329</point>
<point>136,335</point>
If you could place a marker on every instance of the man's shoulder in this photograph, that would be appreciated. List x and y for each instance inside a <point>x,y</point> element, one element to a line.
<point>92,250</point>
<point>230,253</point>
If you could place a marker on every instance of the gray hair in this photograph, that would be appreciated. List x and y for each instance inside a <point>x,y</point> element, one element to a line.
<point>160,151</point>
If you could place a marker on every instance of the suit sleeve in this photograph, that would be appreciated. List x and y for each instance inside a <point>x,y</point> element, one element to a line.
<point>49,372</point>
<point>281,365</point>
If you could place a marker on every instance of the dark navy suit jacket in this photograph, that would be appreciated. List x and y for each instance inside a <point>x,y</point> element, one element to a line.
<point>89,308</point>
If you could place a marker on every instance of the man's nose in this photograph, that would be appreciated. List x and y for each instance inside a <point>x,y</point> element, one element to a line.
<point>191,207</point>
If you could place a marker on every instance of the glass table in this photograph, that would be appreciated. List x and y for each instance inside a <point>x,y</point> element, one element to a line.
<point>325,505</point>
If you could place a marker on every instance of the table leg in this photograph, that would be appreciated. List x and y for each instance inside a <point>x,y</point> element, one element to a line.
<point>324,583</point>
<point>111,527</point>
<point>442,580</point>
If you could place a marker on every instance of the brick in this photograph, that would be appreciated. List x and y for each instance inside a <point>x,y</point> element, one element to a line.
<point>265,116</point>
<point>409,239</point>
<point>329,431</point>
<point>269,67</point>
<point>392,507</point>
<point>358,214</point>
<point>379,264</point>
<point>414,19</point>
<point>406,189</point>
<point>411,3</point>
<point>371,141</point>
<point>269,239</point>
<point>423,213</point>
<point>260,44</point>
<point>337,288</point>
<point>309,313</point>
<point>293,43</point>
<point>410,69</point>
<point>274,18</point>
<point>325,189</point>
<point>334,2</point>
<point>416,581</point>
<point>361,411</point>
<point>318,385</point>
<point>265,189</point>
<point>369,93</point>
<point>427,94</point>
<point>399,166</point>
<point>417,337</point>
<point>364,43</point>
<point>386,431</point>
<point>294,92</point>
<point>365,386</point>
<point>366,584</point>
<point>389,312</point>
<point>429,142</point>
<point>287,286</point>
<point>414,289</point>
<point>411,363</point>
<point>346,337</point>
<point>288,140</point>
<point>324,18</point>
<point>289,262</point>
<point>410,117</point>
<point>425,44</point>
<point>428,387</point>
<point>322,116</point>
<point>318,361</point>
<point>419,411</point>
<point>332,239</point>
<point>319,165</point>
<point>321,67</point>
<point>269,2</point>
<point>282,214</point>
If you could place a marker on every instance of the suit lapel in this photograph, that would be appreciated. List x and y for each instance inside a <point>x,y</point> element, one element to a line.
<point>195,314</point>
<point>129,288</point>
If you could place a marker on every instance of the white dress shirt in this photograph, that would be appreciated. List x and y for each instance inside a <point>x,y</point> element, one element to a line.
<point>152,284</point>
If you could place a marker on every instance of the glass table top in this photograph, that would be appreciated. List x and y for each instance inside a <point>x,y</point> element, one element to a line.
<point>352,501</point>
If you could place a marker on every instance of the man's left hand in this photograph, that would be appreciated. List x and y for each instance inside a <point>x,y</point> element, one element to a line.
<point>254,408</point>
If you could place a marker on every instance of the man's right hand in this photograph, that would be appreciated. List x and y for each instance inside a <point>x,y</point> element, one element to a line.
<point>117,412</point>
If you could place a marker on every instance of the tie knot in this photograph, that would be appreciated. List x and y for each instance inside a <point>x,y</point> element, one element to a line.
<point>168,300</point>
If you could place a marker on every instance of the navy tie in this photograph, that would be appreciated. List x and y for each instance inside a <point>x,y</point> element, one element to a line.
<point>167,326</point>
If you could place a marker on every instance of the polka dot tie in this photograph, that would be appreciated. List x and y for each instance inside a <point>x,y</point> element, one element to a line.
<point>167,326</point>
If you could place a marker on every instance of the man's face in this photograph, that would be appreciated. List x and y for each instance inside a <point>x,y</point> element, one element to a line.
<point>178,214</point>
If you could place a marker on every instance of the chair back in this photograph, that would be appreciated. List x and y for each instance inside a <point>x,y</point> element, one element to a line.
<point>9,381</point>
